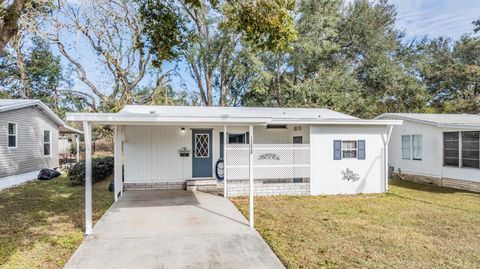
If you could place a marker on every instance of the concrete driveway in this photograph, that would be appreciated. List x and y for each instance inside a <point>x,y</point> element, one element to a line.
<point>173,229</point>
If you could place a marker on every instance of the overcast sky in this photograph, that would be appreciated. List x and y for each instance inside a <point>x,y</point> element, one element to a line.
<point>418,18</point>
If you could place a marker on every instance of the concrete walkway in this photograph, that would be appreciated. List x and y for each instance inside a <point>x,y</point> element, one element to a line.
<point>173,229</point>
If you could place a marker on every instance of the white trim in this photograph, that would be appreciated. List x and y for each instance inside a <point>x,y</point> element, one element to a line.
<point>440,125</point>
<point>208,146</point>
<point>16,135</point>
<point>49,143</point>
<point>133,119</point>
<point>354,149</point>
<point>43,109</point>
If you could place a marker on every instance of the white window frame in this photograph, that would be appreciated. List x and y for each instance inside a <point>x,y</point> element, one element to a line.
<point>410,156</point>
<point>16,135</point>
<point>409,147</point>
<point>351,149</point>
<point>208,146</point>
<point>49,142</point>
<point>421,147</point>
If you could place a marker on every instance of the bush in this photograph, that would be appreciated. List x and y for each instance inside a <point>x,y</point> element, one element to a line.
<point>101,168</point>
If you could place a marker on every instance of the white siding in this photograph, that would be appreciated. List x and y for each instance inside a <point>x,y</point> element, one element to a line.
<point>432,155</point>
<point>151,152</point>
<point>326,173</point>
<point>28,155</point>
<point>432,140</point>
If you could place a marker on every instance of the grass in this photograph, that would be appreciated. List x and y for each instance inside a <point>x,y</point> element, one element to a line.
<point>411,226</point>
<point>42,222</point>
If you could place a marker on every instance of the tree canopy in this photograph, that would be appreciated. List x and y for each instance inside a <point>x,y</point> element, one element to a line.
<point>347,56</point>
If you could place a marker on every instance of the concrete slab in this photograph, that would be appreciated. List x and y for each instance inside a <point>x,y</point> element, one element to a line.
<point>173,229</point>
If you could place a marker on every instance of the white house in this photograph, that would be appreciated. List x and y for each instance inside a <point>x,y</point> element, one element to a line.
<point>437,148</point>
<point>296,151</point>
<point>29,140</point>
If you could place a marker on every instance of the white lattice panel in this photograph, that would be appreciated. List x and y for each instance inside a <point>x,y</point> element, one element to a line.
<point>270,161</point>
<point>237,161</point>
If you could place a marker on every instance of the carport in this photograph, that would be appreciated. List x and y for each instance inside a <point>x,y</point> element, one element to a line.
<point>173,229</point>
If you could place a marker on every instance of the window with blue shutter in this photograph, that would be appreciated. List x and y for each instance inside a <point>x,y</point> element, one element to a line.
<point>361,149</point>
<point>337,149</point>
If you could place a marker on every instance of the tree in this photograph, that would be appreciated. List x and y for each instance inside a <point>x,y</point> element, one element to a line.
<point>451,72</point>
<point>217,39</point>
<point>32,71</point>
<point>114,33</point>
<point>12,13</point>
<point>343,51</point>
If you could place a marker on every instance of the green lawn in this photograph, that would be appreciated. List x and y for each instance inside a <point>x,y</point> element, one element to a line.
<point>41,223</point>
<point>411,226</point>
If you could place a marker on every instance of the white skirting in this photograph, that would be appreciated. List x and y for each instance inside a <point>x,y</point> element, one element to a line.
<point>10,181</point>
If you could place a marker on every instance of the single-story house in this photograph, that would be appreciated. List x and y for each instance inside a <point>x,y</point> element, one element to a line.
<point>29,135</point>
<point>265,151</point>
<point>442,149</point>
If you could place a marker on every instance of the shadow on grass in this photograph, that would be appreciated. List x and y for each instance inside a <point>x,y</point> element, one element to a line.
<point>45,211</point>
<point>427,187</point>
<point>431,189</point>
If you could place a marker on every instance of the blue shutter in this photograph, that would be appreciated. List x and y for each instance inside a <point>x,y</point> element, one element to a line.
<point>337,149</point>
<point>361,150</point>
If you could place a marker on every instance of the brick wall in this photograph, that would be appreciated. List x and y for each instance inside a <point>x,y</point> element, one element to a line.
<point>241,188</point>
<point>444,182</point>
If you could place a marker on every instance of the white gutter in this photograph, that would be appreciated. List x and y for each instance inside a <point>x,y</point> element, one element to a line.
<point>131,119</point>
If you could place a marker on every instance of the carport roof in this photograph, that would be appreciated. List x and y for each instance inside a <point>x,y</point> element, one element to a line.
<point>136,114</point>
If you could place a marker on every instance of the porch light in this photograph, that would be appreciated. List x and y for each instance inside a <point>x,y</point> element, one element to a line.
<point>183,130</point>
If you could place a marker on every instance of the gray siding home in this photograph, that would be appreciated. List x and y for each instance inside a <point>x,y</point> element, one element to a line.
<point>29,135</point>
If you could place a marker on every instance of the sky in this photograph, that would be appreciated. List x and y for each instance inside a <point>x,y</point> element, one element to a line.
<point>417,18</point>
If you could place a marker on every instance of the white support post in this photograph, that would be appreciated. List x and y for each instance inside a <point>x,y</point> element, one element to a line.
<point>387,140</point>
<point>121,138</point>
<point>77,142</point>
<point>87,130</point>
<point>225,189</point>
<point>251,193</point>
<point>117,151</point>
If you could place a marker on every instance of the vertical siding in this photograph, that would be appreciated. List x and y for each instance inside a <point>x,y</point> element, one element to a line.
<point>28,156</point>
<point>151,152</point>
<point>326,173</point>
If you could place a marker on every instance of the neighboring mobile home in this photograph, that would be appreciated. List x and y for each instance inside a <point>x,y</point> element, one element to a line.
<point>29,135</point>
<point>283,150</point>
<point>442,149</point>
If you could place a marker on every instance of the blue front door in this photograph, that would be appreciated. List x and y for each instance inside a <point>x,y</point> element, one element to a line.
<point>202,153</point>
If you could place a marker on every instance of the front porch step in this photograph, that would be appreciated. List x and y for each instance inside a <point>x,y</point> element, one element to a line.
<point>203,185</point>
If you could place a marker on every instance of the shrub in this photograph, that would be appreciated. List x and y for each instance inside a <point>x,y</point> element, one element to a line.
<point>101,168</point>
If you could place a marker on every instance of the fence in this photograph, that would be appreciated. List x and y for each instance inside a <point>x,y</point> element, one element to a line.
<point>270,161</point>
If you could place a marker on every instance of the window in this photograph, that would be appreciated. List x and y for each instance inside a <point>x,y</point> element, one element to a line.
<point>406,145</point>
<point>451,149</point>
<point>236,138</point>
<point>417,147</point>
<point>47,143</point>
<point>412,147</point>
<point>349,149</point>
<point>202,146</point>
<point>470,149</point>
<point>12,135</point>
